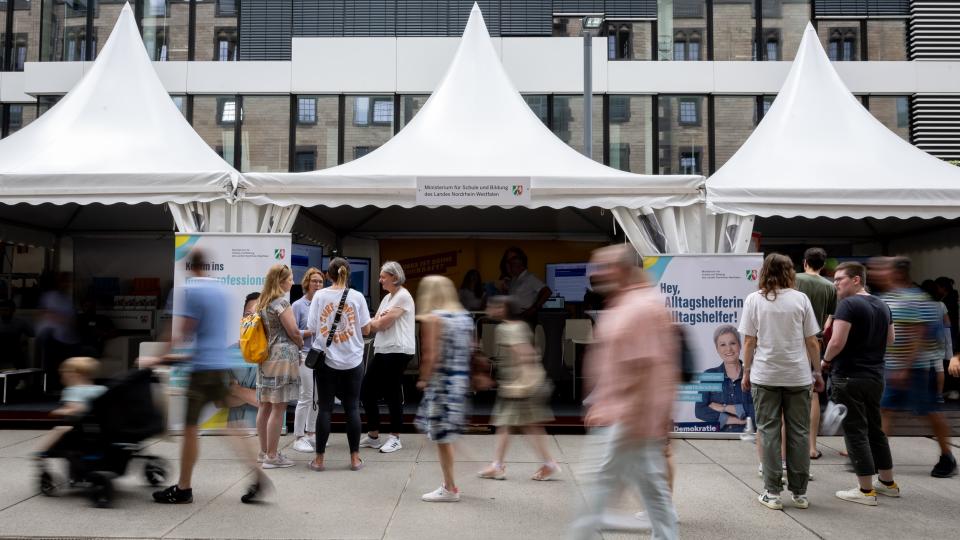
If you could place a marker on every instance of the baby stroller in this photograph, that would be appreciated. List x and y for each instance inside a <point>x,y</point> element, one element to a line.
<point>111,434</point>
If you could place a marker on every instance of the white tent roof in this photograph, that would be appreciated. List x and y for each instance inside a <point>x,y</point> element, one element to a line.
<point>116,137</point>
<point>474,126</point>
<point>819,152</point>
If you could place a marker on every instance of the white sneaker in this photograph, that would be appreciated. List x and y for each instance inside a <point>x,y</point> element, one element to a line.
<point>392,445</point>
<point>859,497</point>
<point>801,502</point>
<point>770,500</point>
<point>279,462</point>
<point>369,442</point>
<point>304,445</point>
<point>889,491</point>
<point>261,457</point>
<point>441,494</point>
<point>952,395</point>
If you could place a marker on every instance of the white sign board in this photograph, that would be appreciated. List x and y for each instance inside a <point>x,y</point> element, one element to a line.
<point>240,262</point>
<point>433,191</point>
<point>705,294</point>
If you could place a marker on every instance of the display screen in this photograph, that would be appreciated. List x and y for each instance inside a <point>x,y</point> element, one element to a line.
<point>569,280</point>
<point>359,274</point>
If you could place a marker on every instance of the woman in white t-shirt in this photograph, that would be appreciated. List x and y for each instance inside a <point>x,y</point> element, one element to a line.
<point>780,352</point>
<point>393,348</point>
<point>342,372</point>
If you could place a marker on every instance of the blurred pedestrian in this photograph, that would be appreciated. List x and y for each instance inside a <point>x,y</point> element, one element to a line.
<point>635,369</point>
<point>393,347</point>
<point>913,364</point>
<point>446,341</point>
<point>203,315</point>
<point>523,391</point>
<point>780,351</point>
<point>951,299</point>
<point>305,416</point>
<point>862,329</point>
<point>339,318</point>
<point>278,377</point>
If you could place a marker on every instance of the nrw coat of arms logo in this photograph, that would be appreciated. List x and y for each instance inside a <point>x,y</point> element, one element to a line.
<point>279,254</point>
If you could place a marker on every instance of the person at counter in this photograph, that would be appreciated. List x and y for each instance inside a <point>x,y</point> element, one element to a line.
<point>731,406</point>
<point>529,292</point>
<point>471,292</point>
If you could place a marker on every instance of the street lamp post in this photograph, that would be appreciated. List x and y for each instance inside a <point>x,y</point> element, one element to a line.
<point>590,25</point>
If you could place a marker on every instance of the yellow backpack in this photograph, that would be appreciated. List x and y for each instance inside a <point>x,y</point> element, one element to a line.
<point>253,339</point>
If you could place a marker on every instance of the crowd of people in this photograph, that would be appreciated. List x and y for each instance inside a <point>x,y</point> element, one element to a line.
<point>869,339</point>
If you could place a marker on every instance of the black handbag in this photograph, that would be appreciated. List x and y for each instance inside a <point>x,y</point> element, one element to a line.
<point>316,358</point>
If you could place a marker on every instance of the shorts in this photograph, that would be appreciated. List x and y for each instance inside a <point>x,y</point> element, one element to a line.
<point>205,387</point>
<point>919,397</point>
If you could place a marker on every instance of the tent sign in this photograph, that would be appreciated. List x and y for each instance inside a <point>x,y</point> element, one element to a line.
<point>433,191</point>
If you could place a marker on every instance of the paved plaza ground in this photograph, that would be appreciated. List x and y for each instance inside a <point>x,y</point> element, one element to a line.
<point>715,496</point>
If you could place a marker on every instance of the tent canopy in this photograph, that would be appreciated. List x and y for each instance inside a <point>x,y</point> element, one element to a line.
<point>819,152</point>
<point>475,126</point>
<point>116,137</point>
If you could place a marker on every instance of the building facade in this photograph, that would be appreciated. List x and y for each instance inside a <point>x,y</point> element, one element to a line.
<point>298,85</point>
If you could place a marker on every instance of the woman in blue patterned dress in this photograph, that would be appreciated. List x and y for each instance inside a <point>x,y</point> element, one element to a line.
<point>446,337</point>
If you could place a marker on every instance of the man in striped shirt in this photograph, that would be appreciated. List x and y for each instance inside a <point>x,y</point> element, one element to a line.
<point>913,366</point>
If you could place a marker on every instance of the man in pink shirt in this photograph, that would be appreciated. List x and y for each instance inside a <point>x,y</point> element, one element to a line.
<point>634,369</point>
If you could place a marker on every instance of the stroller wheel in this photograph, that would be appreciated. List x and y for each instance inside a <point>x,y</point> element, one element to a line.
<point>155,471</point>
<point>47,487</point>
<point>101,490</point>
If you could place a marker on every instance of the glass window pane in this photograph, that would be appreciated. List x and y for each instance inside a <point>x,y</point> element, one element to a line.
<point>365,133</point>
<point>45,103</point>
<point>316,142</point>
<point>181,103</point>
<point>265,133</point>
<point>21,114</point>
<point>681,23</point>
<point>735,119</point>
<point>64,31</point>
<point>26,32</point>
<point>104,19</point>
<point>631,133</point>
<point>683,145</point>
<point>383,111</point>
<point>893,112</point>
<point>783,24</point>
<point>840,38</point>
<point>568,122</point>
<point>217,31</point>
<point>733,26</point>
<point>166,27</point>
<point>887,39</point>
<point>409,107</point>
<point>3,30</point>
<point>540,107</point>
<point>207,121</point>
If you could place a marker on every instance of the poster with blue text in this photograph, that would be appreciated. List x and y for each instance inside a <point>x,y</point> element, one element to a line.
<point>705,294</point>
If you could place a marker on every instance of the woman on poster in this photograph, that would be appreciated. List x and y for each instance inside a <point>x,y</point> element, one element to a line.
<point>729,407</point>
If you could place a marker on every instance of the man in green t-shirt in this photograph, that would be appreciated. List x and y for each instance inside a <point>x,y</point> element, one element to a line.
<point>823,297</point>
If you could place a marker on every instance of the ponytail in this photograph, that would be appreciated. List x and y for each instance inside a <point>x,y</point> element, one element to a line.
<point>339,272</point>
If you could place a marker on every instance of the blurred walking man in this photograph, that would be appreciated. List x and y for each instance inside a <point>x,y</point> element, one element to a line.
<point>634,366</point>
<point>862,329</point>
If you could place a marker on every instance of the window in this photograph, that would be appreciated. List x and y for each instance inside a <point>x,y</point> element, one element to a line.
<point>689,112</point>
<point>227,8</point>
<point>619,110</point>
<point>361,111</point>
<point>16,118</point>
<point>155,8</point>
<point>842,46</point>
<point>619,41</point>
<point>620,156</point>
<point>181,103</point>
<point>305,159</point>
<point>75,44</point>
<point>690,162</point>
<point>383,111</point>
<point>772,47</point>
<point>686,45</point>
<point>225,46</point>
<point>360,151</point>
<point>903,112</point>
<point>540,107</point>
<point>307,113</point>
<point>226,111</point>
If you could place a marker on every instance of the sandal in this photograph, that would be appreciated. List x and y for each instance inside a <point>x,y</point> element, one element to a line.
<point>356,467</point>
<point>493,473</point>
<point>546,472</point>
<point>316,468</point>
<point>818,455</point>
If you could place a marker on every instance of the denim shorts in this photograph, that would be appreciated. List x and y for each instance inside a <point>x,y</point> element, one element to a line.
<point>920,396</point>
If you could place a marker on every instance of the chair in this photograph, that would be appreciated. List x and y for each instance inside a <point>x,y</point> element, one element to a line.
<point>575,331</point>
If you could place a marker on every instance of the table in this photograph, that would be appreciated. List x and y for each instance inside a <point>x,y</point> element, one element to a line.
<point>5,375</point>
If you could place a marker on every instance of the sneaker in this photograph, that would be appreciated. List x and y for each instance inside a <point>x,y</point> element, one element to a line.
<point>952,395</point>
<point>770,500</point>
<point>801,502</point>
<point>173,495</point>
<point>369,442</point>
<point>946,467</point>
<point>392,445</point>
<point>304,445</point>
<point>442,494</point>
<point>279,462</point>
<point>493,472</point>
<point>889,491</point>
<point>261,457</point>
<point>859,497</point>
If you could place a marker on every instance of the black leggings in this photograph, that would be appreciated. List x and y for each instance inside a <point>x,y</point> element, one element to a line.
<point>344,384</point>
<point>385,378</point>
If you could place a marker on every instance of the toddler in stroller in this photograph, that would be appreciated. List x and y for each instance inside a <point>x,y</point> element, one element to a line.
<point>106,436</point>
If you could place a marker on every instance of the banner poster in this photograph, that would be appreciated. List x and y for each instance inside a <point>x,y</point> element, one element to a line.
<point>705,295</point>
<point>240,262</point>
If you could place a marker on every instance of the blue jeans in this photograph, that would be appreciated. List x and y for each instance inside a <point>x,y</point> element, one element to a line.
<point>637,463</point>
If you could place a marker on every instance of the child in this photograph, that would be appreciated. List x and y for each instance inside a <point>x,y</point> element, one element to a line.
<point>76,374</point>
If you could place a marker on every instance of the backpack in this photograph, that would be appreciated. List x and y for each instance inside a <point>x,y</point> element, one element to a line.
<point>253,339</point>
